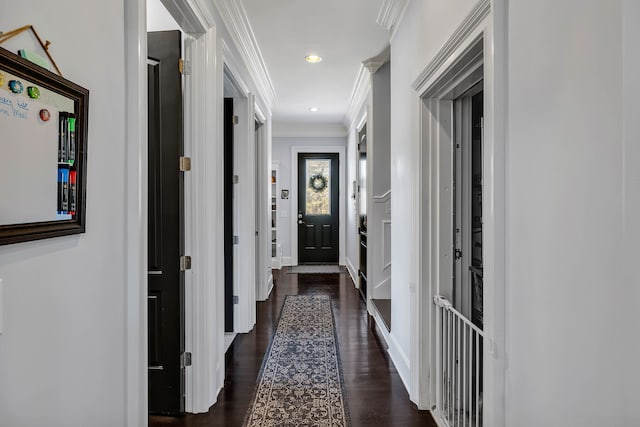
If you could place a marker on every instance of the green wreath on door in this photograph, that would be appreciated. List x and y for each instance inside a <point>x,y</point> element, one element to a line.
<point>317,182</point>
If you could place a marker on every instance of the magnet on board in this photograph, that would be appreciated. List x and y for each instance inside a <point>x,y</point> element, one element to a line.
<point>15,86</point>
<point>34,92</point>
<point>45,115</point>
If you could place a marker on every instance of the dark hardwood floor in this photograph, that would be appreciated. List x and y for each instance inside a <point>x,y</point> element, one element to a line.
<point>375,393</point>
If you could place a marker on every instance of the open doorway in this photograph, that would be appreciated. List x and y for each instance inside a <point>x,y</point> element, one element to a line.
<point>467,204</point>
<point>453,235</point>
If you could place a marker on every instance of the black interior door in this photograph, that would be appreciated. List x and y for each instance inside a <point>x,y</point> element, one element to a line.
<point>228,214</point>
<point>318,208</point>
<point>166,281</point>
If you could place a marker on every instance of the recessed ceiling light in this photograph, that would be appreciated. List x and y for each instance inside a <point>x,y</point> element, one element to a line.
<point>313,59</point>
<point>314,109</point>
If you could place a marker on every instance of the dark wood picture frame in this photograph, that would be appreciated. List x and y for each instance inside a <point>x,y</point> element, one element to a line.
<point>23,232</point>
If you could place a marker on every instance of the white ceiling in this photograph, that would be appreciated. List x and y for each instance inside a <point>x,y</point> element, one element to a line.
<point>343,32</point>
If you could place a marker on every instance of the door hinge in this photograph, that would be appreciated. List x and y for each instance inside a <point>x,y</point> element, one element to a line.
<point>235,120</point>
<point>236,240</point>
<point>236,179</point>
<point>458,254</point>
<point>185,263</point>
<point>184,67</point>
<point>185,359</point>
<point>236,300</point>
<point>185,164</point>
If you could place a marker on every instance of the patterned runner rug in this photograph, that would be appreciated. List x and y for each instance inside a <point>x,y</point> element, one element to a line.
<point>301,379</point>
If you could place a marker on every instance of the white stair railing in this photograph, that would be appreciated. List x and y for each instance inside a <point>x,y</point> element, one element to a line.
<point>458,367</point>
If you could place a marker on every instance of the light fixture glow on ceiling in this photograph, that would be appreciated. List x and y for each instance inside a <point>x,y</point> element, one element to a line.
<point>313,59</point>
<point>314,109</point>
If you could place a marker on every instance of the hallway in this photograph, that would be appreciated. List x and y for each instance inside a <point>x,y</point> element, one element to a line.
<point>375,394</point>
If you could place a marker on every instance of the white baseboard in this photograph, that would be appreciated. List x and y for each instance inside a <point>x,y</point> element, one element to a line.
<point>269,287</point>
<point>264,295</point>
<point>352,271</point>
<point>401,362</point>
<point>398,357</point>
<point>286,261</point>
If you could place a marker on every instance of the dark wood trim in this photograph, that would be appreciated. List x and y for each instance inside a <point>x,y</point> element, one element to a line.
<point>20,67</point>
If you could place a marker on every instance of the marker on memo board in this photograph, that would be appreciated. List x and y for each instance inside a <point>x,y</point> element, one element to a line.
<point>62,137</point>
<point>72,192</point>
<point>72,139</point>
<point>63,191</point>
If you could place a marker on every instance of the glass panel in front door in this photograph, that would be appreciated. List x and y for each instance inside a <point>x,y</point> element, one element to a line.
<point>318,184</point>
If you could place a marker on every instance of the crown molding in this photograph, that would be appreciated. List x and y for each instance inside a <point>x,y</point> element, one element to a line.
<point>358,96</point>
<point>193,16</point>
<point>391,11</point>
<point>232,67</point>
<point>235,19</point>
<point>373,64</point>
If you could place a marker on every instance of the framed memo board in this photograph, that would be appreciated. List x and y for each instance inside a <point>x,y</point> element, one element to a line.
<point>43,152</point>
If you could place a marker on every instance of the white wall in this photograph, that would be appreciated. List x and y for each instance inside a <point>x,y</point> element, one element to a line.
<point>425,27</point>
<point>572,335</point>
<point>572,202</point>
<point>282,154</point>
<point>63,346</point>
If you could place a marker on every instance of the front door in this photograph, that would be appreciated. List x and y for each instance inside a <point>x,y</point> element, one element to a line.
<point>318,208</point>
<point>165,239</point>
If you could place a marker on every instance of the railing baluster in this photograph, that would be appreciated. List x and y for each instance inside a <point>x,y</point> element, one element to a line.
<point>458,366</point>
<point>477,381</point>
<point>464,375</point>
<point>470,375</point>
<point>457,404</point>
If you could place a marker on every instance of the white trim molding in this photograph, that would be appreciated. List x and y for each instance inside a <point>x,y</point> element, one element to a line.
<point>203,332</point>
<point>193,16</point>
<point>374,63</point>
<point>235,19</point>
<point>352,271</point>
<point>399,358</point>
<point>391,12</point>
<point>135,251</point>
<point>233,80</point>
<point>383,198</point>
<point>468,26</point>
<point>359,93</point>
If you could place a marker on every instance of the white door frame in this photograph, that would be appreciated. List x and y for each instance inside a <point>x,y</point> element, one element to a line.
<point>135,253</point>
<point>244,209</point>
<point>203,299</point>
<point>295,150</point>
<point>433,252</point>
